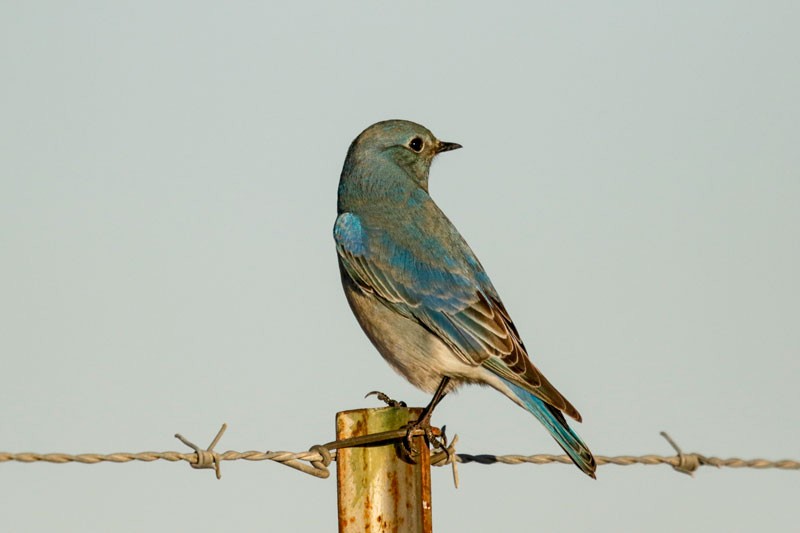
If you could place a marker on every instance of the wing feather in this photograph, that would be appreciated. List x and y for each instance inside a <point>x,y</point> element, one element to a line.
<point>464,312</point>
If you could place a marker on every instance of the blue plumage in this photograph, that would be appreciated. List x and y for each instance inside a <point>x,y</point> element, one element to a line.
<point>554,422</point>
<point>418,290</point>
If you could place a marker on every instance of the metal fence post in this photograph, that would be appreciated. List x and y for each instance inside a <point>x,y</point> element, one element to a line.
<point>379,489</point>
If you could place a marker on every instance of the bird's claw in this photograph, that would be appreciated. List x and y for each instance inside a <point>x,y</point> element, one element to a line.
<point>386,399</point>
<point>434,437</point>
<point>439,441</point>
<point>408,441</point>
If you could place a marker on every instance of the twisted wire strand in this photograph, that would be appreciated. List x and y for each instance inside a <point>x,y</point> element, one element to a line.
<point>316,460</point>
<point>627,460</point>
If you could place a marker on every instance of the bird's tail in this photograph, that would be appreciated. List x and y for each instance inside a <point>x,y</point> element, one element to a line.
<point>557,425</point>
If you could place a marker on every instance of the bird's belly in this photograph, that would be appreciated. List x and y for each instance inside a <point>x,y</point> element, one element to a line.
<point>410,349</point>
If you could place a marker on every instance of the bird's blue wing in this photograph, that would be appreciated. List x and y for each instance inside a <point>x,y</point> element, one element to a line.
<point>450,296</point>
<point>395,273</point>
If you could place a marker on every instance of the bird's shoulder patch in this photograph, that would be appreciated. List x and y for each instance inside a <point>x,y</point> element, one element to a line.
<point>349,233</point>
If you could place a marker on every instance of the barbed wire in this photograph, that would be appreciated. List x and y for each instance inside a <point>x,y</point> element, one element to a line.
<point>316,460</point>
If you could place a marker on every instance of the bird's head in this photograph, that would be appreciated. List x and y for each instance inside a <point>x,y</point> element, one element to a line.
<point>410,146</point>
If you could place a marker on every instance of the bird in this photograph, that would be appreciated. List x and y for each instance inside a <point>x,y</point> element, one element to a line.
<point>418,290</point>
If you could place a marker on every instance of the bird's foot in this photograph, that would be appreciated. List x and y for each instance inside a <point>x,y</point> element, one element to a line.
<point>385,399</point>
<point>438,439</point>
<point>433,436</point>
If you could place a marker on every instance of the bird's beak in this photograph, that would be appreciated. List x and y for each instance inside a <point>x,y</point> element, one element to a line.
<point>446,147</point>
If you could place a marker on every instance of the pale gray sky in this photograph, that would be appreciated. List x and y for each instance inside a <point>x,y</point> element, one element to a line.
<point>630,179</point>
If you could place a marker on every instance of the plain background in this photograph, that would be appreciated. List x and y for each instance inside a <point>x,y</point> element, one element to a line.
<point>630,179</point>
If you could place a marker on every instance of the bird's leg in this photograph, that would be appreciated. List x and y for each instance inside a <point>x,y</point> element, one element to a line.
<point>424,420</point>
<point>425,417</point>
<point>385,399</point>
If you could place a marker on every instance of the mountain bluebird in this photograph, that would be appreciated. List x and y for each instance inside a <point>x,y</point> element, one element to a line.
<point>418,291</point>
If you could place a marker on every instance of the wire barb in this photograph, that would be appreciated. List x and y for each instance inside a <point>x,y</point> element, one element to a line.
<point>446,454</point>
<point>207,458</point>
<point>686,463</point>
<point>316,460</point>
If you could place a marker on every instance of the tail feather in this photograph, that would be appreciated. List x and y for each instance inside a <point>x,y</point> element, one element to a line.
<point>556,424</point>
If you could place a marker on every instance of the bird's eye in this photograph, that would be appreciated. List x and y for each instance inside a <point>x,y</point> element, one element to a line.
<point>415,144</point>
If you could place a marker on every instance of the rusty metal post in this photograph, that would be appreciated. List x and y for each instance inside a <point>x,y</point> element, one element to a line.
<point>379,489</point>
